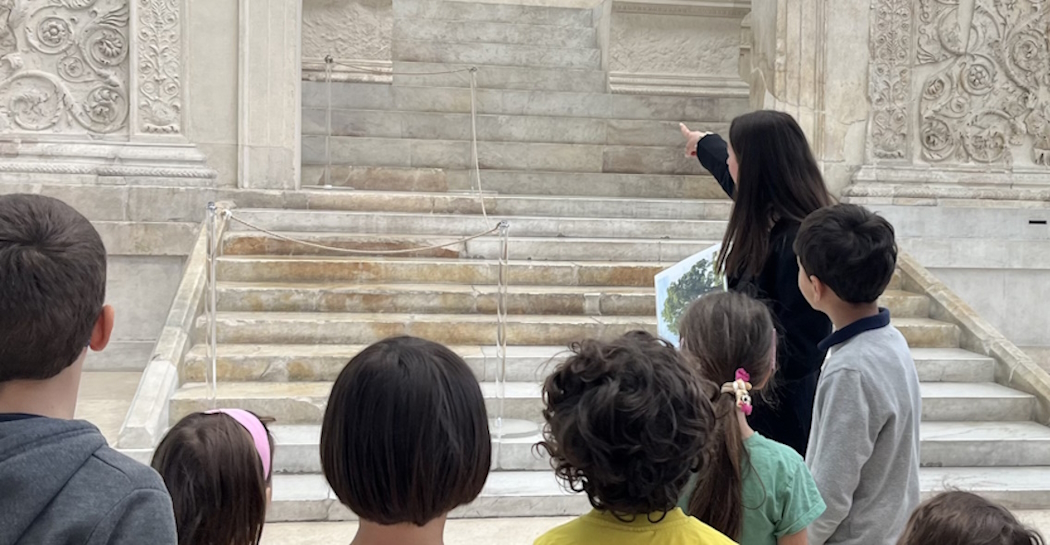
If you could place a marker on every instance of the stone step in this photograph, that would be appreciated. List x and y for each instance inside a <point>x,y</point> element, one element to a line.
<point>985,444</point>
<point>498,128</point>
<point>516,182</point>
<point>434,298</point>
<point>904,304</point>
<point>297,451</point>
<point>952,365</point>
<point>451,329</point>
<point>300,498</point>
<point>1012,487</point>
<point>497,54</point>
<point>944,444</point>
<point>522,205</point>
<point>530,156</point>
<point>436,30</point>
<point>412,269</point>
<point>425,298</point>
<point>488,247</point>
<point>978,402</point>
<point>323,362</point>
<point>429,74</point>
<point>481,12</point>
<point>456,99</point>
<point>456,225</point>
<point>304,402</point>
<point>539,494</point>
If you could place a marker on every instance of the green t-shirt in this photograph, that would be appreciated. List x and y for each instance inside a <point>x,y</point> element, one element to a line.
<point>780,497</point>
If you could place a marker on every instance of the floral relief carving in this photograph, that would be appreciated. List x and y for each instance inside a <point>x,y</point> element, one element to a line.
<point>160,85</point>
<point>989,99</point>
<point>64,66</point>
<point>890,83</point>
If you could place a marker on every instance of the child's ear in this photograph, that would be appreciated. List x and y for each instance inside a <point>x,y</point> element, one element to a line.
<point>103,329</point>
<point>819,289</point>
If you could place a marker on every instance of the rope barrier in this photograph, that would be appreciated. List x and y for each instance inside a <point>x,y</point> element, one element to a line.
<point>287,238</point>
<point>472,70</point>
<point>366,70</point>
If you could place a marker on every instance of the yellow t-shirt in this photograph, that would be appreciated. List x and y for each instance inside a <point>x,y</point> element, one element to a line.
<point>602,528</point>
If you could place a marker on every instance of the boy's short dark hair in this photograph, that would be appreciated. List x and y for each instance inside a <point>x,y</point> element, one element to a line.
<point>850,249</point>
<point>627,421</point>
<point>405,436</point>
<point>52,286</point>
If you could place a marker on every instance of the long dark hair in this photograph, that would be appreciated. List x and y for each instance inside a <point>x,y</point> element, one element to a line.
<point>723,332</point>
<point>213,472</point>
<point>778,179</point>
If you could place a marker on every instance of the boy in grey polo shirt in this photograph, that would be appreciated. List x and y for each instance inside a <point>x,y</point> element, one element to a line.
<point>864,447</point>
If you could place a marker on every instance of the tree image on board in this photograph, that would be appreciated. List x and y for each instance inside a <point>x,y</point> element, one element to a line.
<point>699,280</point>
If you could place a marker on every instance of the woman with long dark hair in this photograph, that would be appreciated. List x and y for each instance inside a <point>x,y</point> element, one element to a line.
<point>770,173</point>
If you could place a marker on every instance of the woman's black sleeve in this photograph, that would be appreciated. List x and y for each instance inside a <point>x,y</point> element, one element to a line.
<point>713,152</point>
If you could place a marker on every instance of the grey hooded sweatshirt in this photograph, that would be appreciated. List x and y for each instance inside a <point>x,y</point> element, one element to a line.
<point>61,484</point>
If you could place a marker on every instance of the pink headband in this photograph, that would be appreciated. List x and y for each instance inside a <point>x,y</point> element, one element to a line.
<point>258,432</point>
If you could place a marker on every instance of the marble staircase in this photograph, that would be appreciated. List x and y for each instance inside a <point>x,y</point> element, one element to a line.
<point>289,320</point>
<point>599,199</point>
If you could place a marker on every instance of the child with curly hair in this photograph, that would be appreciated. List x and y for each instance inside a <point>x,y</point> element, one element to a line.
<point>627,421</point>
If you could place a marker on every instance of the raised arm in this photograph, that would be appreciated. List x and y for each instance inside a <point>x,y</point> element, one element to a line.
<point>713,153</point>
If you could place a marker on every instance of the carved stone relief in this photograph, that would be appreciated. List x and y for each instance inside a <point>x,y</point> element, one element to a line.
<point>159,65</point>
<point>347,29</point>
<point>989,96</point>
<point>64,66</point>
<point>890,84</point>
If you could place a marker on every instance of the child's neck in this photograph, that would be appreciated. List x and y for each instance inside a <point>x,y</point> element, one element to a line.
<point>843,314</point>
<point>745,428</point>
<point>55,397</point>
<point>371,533</point>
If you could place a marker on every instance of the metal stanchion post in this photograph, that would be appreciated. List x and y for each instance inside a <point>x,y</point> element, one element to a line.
<point>213,337</point>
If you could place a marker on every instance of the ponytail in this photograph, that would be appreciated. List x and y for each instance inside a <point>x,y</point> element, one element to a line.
<point>718,497</point>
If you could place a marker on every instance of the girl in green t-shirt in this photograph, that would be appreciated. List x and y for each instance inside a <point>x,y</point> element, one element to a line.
<point>752,489</point>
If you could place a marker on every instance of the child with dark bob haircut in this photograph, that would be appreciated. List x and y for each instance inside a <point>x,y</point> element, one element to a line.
<point>217,466</point>
<point>864,448</point>
<point>627,421</point>
<point>405,440</point>
<point>962,518</point>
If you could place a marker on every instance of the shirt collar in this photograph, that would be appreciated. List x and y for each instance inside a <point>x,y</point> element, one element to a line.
<point>641,521</point>
<point>879,321</point>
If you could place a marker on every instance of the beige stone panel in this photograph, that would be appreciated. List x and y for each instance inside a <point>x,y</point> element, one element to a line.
<point>211,72</point>
<point>674,44</point>
<point>347,30</point>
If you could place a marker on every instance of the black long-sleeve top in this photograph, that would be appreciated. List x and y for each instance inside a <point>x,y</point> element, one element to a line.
<point>784,412</point>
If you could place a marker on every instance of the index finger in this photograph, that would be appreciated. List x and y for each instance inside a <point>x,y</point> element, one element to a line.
<point>685,130</point>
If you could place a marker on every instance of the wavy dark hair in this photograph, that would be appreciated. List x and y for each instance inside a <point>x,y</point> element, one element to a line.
<point>626,422</point>
<point>212,470</point>
<point>962,518</point>
<point>778,179</point>
<point>722,332</point>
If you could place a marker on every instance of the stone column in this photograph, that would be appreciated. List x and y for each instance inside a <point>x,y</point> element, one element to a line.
<point>810,58</point>
<point>270,96</point>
